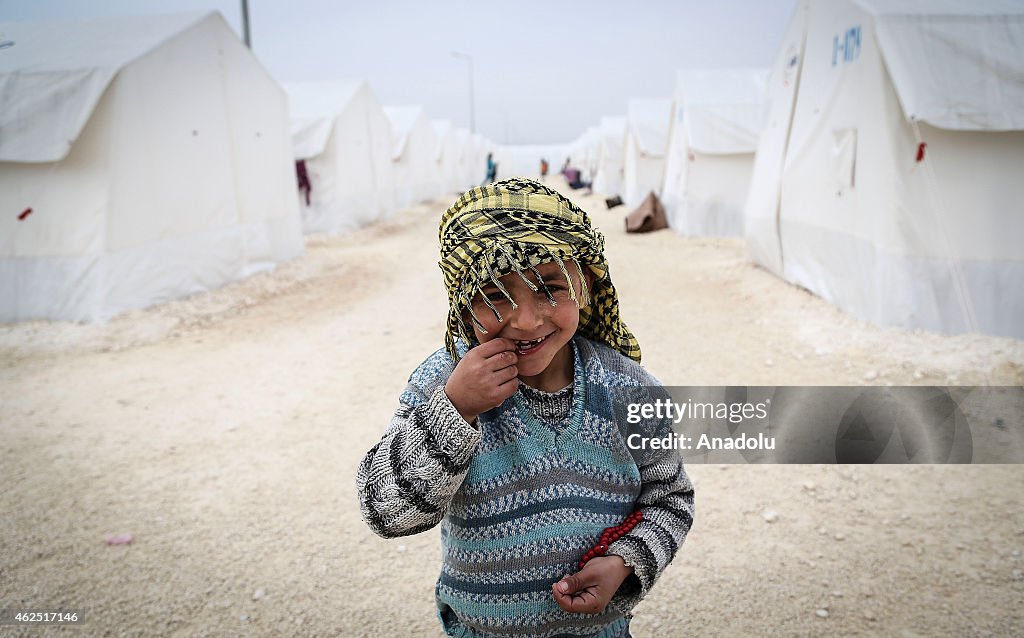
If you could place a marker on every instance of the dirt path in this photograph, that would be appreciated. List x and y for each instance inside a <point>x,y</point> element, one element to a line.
<point>223,432</point>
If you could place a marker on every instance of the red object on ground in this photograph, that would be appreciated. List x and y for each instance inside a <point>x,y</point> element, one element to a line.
<point>25,213</point>
<point>920,151</point>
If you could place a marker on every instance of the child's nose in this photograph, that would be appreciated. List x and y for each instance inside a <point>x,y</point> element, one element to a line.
<point>528,315</point>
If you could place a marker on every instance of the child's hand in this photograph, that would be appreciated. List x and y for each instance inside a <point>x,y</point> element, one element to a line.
<point>484,378</point>
<point>589,590</point>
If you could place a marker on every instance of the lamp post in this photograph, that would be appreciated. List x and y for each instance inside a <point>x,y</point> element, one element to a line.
<point>472,114</point>
<point>245,24</point>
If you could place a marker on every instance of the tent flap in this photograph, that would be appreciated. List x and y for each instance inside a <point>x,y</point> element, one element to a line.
<point>54,74</point>
<point>721,108</point>
<point>961,72</point>
<point>725,129</point>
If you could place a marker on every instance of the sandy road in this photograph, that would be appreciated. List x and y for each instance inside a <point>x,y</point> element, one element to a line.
<point>223,432</point>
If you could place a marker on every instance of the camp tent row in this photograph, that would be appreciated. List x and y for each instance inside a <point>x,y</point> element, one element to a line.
<point>710,158</point>
<point>460,156</point>
<point>626,155</point>
<point>342,146</point>
<point>431,158</point>
<point>608,173</point>
<point>417,175</point>
<point>359,161</point>
<point>118,192</point>
<point>888,177</point>
<point>643,160</point>
<point>889,149</point>
<point>694,151</point>
<point>585,151</point>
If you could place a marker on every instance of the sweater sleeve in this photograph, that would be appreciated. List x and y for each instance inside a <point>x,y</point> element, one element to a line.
<point>667,502</point>
<point>408,479</point>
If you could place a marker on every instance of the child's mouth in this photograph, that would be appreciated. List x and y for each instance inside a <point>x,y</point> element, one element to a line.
<point>525,348</point>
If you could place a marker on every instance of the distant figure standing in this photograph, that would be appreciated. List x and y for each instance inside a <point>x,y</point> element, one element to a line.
<point>305,186</point>
<point>492,170</point>
<point>543,169</point>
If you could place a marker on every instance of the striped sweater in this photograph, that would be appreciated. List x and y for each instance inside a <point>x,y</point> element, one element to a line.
<point>519,502</point>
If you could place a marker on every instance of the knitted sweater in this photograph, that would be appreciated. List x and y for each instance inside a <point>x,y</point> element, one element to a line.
<point>519,502</point>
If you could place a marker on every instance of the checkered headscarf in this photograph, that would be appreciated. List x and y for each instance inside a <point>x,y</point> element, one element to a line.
<point>516,225</point>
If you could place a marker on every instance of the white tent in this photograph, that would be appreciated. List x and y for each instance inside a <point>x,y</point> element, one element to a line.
<point>888,177</point>
<point>710,158</point>
<point>465,168</point>
<point>446,158</point>
<point>141,159</point>
<point>476,158</point>
<point>608,177</point>
<point>643,169</point>
<point>588,153</point>
<point>340,133</point>
<point>413,155</point>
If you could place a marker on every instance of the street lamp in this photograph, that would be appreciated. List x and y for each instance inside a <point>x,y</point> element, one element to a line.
<point>472,114</point>
<point>245,24</point>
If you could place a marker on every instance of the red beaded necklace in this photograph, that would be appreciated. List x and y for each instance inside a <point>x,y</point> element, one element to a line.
<point>612,534</point>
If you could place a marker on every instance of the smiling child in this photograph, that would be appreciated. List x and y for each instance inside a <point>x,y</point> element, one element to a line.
<point>508,436</point>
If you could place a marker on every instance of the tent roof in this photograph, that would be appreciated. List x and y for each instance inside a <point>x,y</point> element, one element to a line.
<point>403,121</point>
<point>312,107</point>
<point>722,108</point>
<point>710,87</point>
<point>948,8</point>
<point>956,65</point>
<point>53,75</point>
<point>649,120</point>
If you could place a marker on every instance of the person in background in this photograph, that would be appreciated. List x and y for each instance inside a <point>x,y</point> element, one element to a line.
<point>302,174</point>
<point>543,169</point>
<point>492,170</point>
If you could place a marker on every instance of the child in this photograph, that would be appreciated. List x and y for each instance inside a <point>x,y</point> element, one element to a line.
<point>508,436</point>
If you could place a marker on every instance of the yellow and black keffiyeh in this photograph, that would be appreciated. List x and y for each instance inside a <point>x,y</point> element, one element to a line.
<point>513,226</point>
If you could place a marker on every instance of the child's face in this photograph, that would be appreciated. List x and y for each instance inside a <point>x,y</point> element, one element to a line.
<point>541,331</point>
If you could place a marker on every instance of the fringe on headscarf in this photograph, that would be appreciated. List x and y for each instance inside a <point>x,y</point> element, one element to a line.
<point>513,226</point>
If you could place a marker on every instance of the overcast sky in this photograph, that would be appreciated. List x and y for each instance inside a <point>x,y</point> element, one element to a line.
<point>543,71</point>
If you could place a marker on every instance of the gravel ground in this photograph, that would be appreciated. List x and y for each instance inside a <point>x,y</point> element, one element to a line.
<point>222,433</point>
